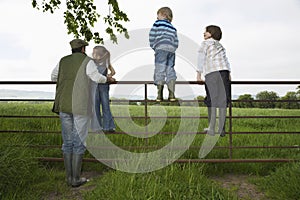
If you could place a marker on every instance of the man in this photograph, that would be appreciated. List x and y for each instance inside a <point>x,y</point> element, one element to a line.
<point>72,102</point>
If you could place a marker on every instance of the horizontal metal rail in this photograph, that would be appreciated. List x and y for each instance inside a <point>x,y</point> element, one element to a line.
<point>159,147</point>
<point>151,82</point>
<point>5,100</point>
<point>278,160</point>
<point>161,133</point>
<point>157,117</point>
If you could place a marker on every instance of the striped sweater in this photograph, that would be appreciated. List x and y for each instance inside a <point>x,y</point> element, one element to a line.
<point>163,35</point>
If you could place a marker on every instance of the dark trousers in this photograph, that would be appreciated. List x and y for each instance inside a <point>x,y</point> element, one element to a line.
<point>218,91</point>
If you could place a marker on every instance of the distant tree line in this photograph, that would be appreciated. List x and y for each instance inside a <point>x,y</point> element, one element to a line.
<point>264,99</point>
<point>269,99</point>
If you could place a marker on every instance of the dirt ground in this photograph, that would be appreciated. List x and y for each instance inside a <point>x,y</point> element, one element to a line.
<point>241,186</point>
<point>238,184</point>
<point>75,193</point>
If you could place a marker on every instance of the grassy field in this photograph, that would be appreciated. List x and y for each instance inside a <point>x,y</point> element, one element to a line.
<point>18,166</point>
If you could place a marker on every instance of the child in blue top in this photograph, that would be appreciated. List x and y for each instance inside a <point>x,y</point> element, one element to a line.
<point>102,59</point>
<point>163,40</point>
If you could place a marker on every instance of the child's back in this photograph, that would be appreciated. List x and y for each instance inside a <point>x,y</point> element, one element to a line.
<point>163,40</point>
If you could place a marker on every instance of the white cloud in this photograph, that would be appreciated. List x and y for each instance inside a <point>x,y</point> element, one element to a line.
<point>261,36</point>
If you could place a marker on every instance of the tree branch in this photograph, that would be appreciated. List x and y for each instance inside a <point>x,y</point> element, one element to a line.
<point>81,16</point>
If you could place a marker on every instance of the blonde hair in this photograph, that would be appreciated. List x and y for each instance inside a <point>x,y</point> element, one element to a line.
<point>167,12</point>
<point>101,54</point>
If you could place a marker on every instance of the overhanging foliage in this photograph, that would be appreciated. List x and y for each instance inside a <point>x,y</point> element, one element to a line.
<point>81,16</point>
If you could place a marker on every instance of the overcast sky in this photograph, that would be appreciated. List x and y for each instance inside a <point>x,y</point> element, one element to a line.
<point>261,38</point>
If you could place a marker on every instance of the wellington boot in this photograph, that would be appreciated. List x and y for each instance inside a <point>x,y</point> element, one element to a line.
<point>171,88</point>
<point>68,167</point>
<point>160,89</point>
<point>76,170</point>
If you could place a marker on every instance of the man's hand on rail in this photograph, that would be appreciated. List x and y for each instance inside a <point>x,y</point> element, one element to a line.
<point>110,79</point>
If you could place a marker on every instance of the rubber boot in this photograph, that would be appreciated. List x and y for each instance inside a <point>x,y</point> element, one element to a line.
<point>171,88</point>
<point>76,171</point>
<point>222,120</point>
<point>68,167</point>
<point>160,89</point>
<point>212,121</point>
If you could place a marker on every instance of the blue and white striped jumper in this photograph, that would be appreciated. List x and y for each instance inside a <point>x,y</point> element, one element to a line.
<point>163,40</point>
<point>163,34</point>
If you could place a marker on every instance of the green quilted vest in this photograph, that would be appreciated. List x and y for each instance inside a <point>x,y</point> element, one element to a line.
<point>73,85</point>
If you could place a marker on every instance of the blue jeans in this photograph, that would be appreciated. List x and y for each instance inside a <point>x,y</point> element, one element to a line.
<point>102,97</point>
<point>74,130</point>
<point>164,67</point>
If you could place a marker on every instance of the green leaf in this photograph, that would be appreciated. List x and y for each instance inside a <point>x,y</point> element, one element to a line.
<point>34,4</point>
<point>80,17</point>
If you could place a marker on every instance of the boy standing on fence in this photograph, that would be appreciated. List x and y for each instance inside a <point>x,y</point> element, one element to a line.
<point>214,65</point>
<point>163,40</point>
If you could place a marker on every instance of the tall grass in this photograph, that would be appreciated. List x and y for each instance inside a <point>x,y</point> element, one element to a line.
<point>283,183</point>
<point>173,182</point>
<point>15,166</point>
<point>18,168</point>
<point>185,181</point>
<point>171,125</point>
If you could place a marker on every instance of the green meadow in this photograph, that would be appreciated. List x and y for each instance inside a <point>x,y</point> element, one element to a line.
<point>23,176</point>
